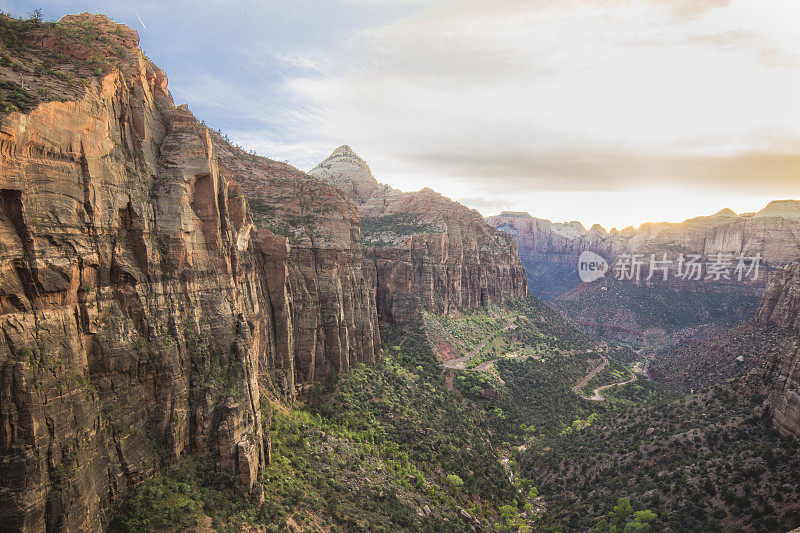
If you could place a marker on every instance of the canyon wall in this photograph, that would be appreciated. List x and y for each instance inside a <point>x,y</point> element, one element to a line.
<point>657,309</point>
<point>773,232</point>
<point>330,289</point>
<point>781,306</point>
<point>428,251</point>
<point>130,302</point>
<point>158,282</point>
<point>143,313</point>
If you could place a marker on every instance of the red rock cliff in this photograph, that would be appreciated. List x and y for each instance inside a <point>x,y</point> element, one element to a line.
<point>328,294</point>
<point>781,306</point>
<point>142,312</point>
<point>429,252</point>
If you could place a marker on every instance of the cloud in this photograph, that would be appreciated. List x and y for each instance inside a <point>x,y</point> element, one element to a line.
<point>748,173</point>
<point>573,94</point>
<point>478,98</point>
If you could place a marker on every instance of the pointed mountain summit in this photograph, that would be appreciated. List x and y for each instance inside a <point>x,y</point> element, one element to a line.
<point>727,212</point>
<point>424,249</point>
<point>348,172</point>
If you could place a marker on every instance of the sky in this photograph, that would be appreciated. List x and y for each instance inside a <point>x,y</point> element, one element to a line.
<point>603,111</point>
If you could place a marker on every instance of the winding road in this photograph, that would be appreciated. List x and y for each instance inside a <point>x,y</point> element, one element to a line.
<point>461,362</point>
<point>596,396</point>
<point>582,383</point>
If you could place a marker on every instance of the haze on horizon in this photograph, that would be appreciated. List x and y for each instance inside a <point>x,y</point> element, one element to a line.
<point>601,111</point>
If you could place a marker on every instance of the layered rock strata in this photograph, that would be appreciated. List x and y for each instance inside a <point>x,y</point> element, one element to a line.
<point>143,315</point>
<point>428,251</point>
<point>781,306</point>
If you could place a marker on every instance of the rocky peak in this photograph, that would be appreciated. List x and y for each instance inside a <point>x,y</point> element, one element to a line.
<point>344,150</point>
<point>428,251</point>
<point>348,172</point>
<point>598,229</point>
<point>727,212</point>
<point>781,208</point>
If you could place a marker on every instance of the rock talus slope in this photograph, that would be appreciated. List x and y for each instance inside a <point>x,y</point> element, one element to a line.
<point>428,251</point>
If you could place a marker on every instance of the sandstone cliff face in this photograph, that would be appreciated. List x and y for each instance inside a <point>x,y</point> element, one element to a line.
<point>428,252</point>
<point>327,291</point>
<point>781,306</point>
<point>773,232</point>
<point>780,303</point>
<point>142,313</point>
<point>629,311</point>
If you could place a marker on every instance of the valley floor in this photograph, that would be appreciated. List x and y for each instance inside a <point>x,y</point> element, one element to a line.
<point>502,419</point>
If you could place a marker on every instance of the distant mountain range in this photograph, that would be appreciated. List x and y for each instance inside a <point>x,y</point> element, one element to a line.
<point>626,310</point>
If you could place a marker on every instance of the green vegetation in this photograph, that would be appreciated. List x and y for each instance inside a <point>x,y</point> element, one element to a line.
<point>544,323</point>
<point>657,307</point>
<point>384,230</point>
<point>464,331</point>
<point>614,372</point>
<point>455,483</point>
<point>383,448</point>
<point>639,392</point>
<point>13,97</point>
<point>12,30</point>
<point>185,498</point>
<point>624,519</point>
<point>537,393</point>
<point>520,329</point>
<point>705,462</point>
<point>413,408</point>
<point>695,364</point>
<point>402,446</point>
<point>51,74</point>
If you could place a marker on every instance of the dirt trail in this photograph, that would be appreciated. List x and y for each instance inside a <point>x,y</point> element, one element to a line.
<point>596,396</point>
<point>582,383</point>
<point>461,362</point>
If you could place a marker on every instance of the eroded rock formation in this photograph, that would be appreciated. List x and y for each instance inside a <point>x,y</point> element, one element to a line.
<point>132,301</point>
<point>773,232</point>
<point>781,306</point>
<point>157,283</point>
<point>428,251</point>
<point>142,313</point>
<point>667,309</point>
<point>327,290</point>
